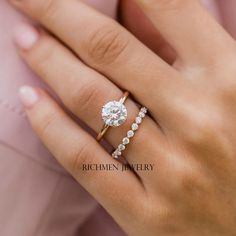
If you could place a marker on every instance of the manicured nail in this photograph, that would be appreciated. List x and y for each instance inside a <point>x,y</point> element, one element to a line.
<point>26,36</point>
<point>28,96</point>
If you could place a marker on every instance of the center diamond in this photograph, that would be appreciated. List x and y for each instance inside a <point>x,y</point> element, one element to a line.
<point>114,113</point>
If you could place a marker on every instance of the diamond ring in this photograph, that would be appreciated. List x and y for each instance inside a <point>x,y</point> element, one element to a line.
<point>130,134</point>
<point>114,114</point>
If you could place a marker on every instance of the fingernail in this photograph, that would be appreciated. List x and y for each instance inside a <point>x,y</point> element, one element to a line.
<point>28,96</point>
<point>26,36</point>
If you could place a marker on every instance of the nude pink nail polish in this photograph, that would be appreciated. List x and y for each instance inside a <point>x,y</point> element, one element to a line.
<point>26,36</point>
<point>28,96</point>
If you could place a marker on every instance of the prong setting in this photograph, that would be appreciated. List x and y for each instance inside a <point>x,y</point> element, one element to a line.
<point>114,113</point>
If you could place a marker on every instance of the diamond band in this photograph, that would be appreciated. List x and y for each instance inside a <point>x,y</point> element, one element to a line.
<point>114,114</point>
<point>130,134</point>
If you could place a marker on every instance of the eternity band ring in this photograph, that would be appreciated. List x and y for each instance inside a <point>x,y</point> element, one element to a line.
<point>114,114</point>
<point>130,134</point>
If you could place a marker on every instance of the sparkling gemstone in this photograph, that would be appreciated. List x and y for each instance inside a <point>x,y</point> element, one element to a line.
<point>144,110</point>
<point>114,155</point>
<point>130,134</point>
<point>134,126</point>
<point>125,141</point>
<point>114,113</point>
<point>117,153</point>
<point>121,147</point>
<point>141,114</point>
<point>138,120</point>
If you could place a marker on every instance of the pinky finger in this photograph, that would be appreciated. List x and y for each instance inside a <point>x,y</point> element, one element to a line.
<point>75,148</point>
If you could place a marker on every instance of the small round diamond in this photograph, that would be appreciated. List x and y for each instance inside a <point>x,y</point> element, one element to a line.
<point>115,156</point>
<point>141,114</point>
<point>114,113</point>
<point>138,120</point>
<point>116,153</point>
<point>130,134</point>
<point>121,147</point>
<point>134,126</point>
<point>125,141</point>
<point>144,110</point>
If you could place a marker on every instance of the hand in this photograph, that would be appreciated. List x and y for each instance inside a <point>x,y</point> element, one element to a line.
<point>189,136</point>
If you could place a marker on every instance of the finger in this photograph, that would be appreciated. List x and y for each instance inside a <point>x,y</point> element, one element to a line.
<point>134,19</point>
<point>110,49</point>
<point>75,149</point>
<point>84,91</point>
<point>189,28</point>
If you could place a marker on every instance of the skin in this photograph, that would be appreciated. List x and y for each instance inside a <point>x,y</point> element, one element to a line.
<point>135,20</point>
<point>189,135</point>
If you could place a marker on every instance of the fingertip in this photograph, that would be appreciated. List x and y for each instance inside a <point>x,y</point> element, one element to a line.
<point>29,96</point>
<point>26,36</point>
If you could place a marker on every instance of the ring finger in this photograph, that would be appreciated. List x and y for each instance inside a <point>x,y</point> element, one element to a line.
<point>84,91</point>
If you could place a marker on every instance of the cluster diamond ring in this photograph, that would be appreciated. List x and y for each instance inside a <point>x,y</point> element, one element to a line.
<point>114,114</point>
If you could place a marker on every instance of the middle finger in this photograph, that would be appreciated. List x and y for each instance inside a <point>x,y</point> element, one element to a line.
<point>109,48</point>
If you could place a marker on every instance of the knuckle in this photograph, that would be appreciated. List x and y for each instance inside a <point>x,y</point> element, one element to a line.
<point>209,136</point>
<point>42,56</point>
<point>203,131</point>
<point>106,44</point>
<point>46,123</point>
<point>46,8</point>
<point>80,156</point>
<point>85,96</point>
